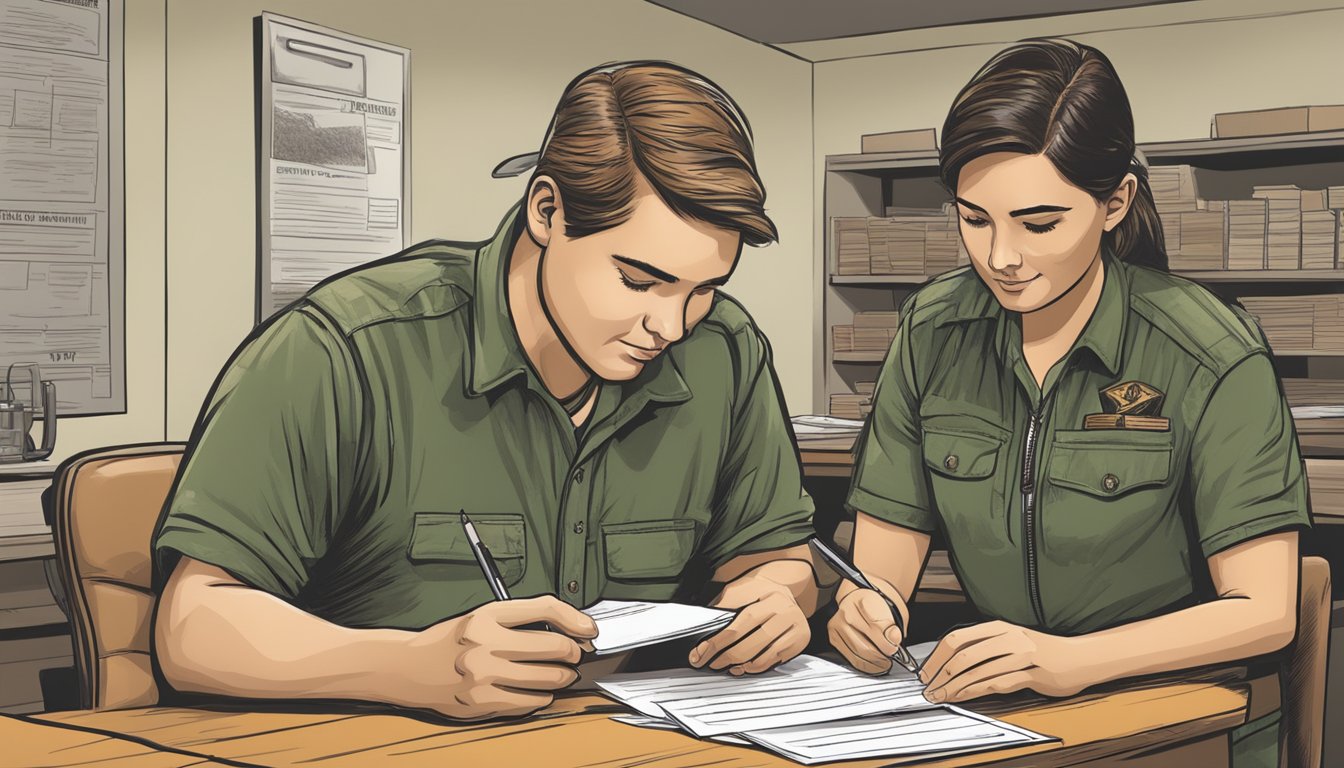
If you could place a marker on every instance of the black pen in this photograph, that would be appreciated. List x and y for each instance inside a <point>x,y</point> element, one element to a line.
<point>488,567</point>
<point>901,656</point>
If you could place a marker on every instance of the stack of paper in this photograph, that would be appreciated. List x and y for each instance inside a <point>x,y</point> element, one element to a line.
<point>942,242</point>
<point>625,625</point>
<point>1247,230</point>
<point>1313,391</point>
<point>1319,233</point>
<point>824,427</point>
<point>1202,238</point>
<point>1285,224</point>
<point>812,711</point>
<point>1317,411</point>
<point>1286,321</point>
<point>851,246</point>
<point>1173,188</point>
<point>1327,325</point>
<point>897,244</point>
<point>854,407</point>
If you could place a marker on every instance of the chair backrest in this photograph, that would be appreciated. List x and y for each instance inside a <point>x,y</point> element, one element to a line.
<point>1302,674</point>
<point>105,506</point>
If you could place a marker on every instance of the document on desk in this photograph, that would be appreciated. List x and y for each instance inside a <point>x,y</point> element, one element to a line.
<point>623,625</point>
<point>811,710</point>
<point>798,692</point>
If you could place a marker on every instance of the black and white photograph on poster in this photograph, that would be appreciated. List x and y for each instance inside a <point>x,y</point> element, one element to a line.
<point>333,155</point>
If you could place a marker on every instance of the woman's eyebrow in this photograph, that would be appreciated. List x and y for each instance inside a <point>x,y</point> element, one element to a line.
<point>646,268</point>
<point>1039,209</point>
<point>972,206</point>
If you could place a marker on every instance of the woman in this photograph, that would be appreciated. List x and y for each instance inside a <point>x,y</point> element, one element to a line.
<point>1096,438</point>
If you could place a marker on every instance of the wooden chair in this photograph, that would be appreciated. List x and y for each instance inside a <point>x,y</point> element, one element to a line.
<point>105,504</point>
<point>1303,668</point>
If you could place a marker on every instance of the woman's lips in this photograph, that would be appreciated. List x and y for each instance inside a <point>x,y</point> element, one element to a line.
<point>1014,286</point>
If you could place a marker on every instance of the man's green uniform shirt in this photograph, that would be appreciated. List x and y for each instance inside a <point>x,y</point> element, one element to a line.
<point>338,446</point>
<point>1061,527</point>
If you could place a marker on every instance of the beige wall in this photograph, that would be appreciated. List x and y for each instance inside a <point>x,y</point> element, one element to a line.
<point>485,77</point>
<point>1178,68</point>
<point>144,107</point>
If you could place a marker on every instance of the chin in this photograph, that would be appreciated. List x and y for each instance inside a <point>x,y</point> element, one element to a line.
<point>617,368</point>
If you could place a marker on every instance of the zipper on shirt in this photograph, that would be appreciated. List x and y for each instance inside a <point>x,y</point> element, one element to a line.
<point>1030,450</point>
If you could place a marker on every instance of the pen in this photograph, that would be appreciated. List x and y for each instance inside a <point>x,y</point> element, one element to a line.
<point>901,656</point>
<point>488,567</point>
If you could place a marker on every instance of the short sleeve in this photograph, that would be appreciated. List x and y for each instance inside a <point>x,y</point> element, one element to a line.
<point>759,502</point>
<point>1246,471</point>
<point>265,475</point>
<point>890,482</point>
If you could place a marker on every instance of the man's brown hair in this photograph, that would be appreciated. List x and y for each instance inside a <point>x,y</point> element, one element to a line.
<point>667,124</point>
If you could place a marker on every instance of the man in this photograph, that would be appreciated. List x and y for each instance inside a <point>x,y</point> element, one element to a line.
<point>577,384</point>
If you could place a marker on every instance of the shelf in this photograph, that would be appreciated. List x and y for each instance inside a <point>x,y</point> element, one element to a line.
<point>863,357</point>
<point>879,280</point>
<point>1305,145</point>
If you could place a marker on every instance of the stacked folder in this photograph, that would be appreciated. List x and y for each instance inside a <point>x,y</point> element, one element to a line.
<point>1306,392</point>
<point>1284,249</point>
<point>847,406</point>
<point>851,246</point>
<point>1247,232</point>
<point>1300,323</point>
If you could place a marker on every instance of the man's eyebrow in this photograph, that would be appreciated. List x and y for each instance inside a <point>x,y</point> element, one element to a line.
<point>648,268</point>
<point>1038,209</point>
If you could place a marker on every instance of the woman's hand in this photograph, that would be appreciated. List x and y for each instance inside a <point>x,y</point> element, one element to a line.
<point>998,657</point>
<point>864,631</point>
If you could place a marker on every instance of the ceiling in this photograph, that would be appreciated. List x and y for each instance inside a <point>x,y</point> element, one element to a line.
<point>780,22</point>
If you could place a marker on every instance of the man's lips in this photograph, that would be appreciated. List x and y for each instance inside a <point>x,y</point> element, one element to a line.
<point>642,353</point>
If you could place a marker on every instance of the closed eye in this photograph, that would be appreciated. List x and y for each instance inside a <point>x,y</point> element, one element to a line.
<point>1040,229</point>
<point>634,285</point>
<point>975,221</point>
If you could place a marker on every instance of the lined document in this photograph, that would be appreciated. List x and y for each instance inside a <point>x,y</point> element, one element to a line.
<point>798,692</point>
<point>623,625</point>
<point>941,731</point>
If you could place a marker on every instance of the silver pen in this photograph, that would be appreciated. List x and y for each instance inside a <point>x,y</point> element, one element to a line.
<point>901,656</point>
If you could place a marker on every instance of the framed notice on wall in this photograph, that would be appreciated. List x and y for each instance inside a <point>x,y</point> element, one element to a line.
<point>62,202</point>
<point>333,155</point>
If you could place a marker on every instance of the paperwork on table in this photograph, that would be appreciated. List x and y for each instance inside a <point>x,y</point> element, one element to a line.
<point>623,625</point>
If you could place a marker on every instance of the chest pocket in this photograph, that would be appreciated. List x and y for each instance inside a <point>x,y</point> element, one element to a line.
<point>962,457</point>
<point>655,550</point>
<point>438,538</point>
<point>1108,464</point>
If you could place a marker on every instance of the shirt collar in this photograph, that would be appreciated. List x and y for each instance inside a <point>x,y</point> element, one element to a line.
<point>1105,330</point>
<point>497,355</point>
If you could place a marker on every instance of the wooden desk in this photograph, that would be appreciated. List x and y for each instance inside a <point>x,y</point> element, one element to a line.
<point>1171,723</point>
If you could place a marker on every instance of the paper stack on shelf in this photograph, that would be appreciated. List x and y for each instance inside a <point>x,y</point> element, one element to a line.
<point>1303,392</point>
<point>1247,231</point>
<point>812,427</point>
<point>1286,320</point>
<point>1325,483</point>
<point>1319,234</point>
<point>1285,224</point>
<point>1202,243</point>
<point>943,242</point>
<point>842,338</point>
<point>851,245</point>
<point>897,245</point>
<point>1328,325</point>
<point>845,406</point>
<point>1173,188</point>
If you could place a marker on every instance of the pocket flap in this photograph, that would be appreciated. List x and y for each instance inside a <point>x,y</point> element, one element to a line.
<point>1105,466</point>
<point>960,454</point>
<point>438,536</point>
<point>654,549</point>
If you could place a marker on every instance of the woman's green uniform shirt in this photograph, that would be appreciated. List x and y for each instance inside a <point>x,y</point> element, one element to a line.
<point>1120,517</point>
<point>339,445</point>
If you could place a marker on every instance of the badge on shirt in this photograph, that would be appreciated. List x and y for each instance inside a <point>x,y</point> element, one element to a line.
<point>1129,405</point>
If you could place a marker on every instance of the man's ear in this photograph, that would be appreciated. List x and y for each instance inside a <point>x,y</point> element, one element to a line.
<point>543,210</point>
<point>1118,204</point>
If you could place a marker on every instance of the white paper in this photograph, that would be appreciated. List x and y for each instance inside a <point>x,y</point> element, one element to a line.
<point>661,724</point>
<point>801,691</point>
<point>939,731</point>
<point>335,130</point>
<point>623,625</point>
<point>819,427</point>
<point>62,243</point>
<point>1317,411</point>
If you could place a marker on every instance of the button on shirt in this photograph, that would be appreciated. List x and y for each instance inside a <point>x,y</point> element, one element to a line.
<point>339,445</point>
<point>1102,525</point>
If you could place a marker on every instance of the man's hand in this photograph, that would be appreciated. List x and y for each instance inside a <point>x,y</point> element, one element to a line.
<point>481,665</point>
<point>864,631</point>
<point>770,627</point>
<point>998,657</point>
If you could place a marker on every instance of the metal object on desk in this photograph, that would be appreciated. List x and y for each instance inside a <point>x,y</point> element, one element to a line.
<point>16,417</point>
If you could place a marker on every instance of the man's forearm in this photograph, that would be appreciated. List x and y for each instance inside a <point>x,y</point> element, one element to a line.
<point>223,638</point>
<point>791,568</point>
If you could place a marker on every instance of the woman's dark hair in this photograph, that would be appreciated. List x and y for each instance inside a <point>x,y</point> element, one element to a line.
<point>1064,100</point>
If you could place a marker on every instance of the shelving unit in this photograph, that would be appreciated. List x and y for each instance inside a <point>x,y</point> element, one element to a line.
<point>861,185</point>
